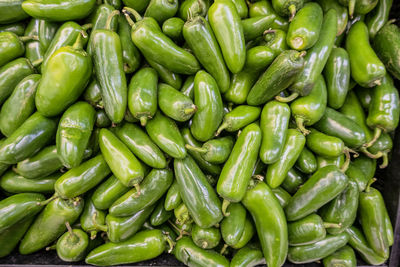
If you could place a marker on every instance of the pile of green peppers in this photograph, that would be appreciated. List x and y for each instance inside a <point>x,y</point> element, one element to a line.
<point>225,132</point>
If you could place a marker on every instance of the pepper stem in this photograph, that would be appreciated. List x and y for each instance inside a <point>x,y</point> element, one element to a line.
<point>269,31</point>
<point>52,247</point>
<point>143,120</point>
<point>292,11</point>
<point>258,177</point>
<point>225,205</point>
<point>370,155</point>
<point>170,242</point>
<point>223,250</point>
<point>69,228</point>
<point>100,227</point>
<point>370,182</point>
<point>300,125</point>
<point>110,18</point>
<point>37,62</point>
<point>385,161</point>
<point>204,245</point>
<point>332,225</point>
<point>28,38</point>
<point>287,99</point>
<point>78,42</point>
<point>377,134</point>
<point>352,4</point>
<point>93,235</point>
<point>86,27</point>
<point>127,11</point>
<point>191,110</point>
<point>47,201</point>
<point>196,149</point>
<point>346,163</point>
<point>223,126</point>
<point>137,187</point>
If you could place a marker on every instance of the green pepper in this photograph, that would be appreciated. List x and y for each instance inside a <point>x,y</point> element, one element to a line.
<point>130,54</point>
<point>258,58</point>
<point>275,40</point>
<point>193,8</point>
<point>384,109</point>
<point>160,215</point>
<point>20,105</point>
<point>287,7</point>
<point>293,181</point>
<point>124,165</point>
<point>264,8</point>
<point>270,222</point>
<point>343,209</point>
<point>274,125</point>
<point>91,217</point>
<point>278,76</point>
<point>216,150</point>
<point>188,87</point>
<point>247,235</point>
<point>10,238</point>
<point>18,207</point>
<point>182,215</point>
<point>38,129</point>
<point>356,174</point>
<point>225,22</point>
<point>323,161</point>
<point>323,186</point>
<point>82,178</point>
<point>337,124</point>
<point>209,104</point>
<point>344,256</point>
<point>102,120</point>
<point>366,165</point>
<point>277,171</point>
<point>376,19</point>
<point>11,11</point>
<point>255,27</point>
<point>206,166</point>
<point>240,85</point>
<point>17,27</point>
<point>56,10</point>
<point>166,76</point>
<point>148,38</point>
<point>173,197</point>
<point>14,183</point>
<point>206,238</point>
<point>162,10</point>
<point>164,132</point>
<point>350,4</point>
<point>174,104</point>
<point>12,46</point>
<point>372,212</point>
<point>50,224</point>
<point>237,171</point>
<point>305,27</point>
<point>382,146</point>
<point>74,130</point>
<point>282,196</point>
<point>249,256</point>
<point>139,5</point>
<point>33,49</point>
<point>366,68</point>
<point>316,57</point>
<point>108,192</point>
<point>200,38</point>
<point>108,66</point>
<point>57,91</point>
<point>317,250</point>
<point>197,194</point>
<point>238,118</point>
<point>306,162</point>
<point>341,11</point>
<point>152,189</point>
<point>173,27</point>
<point>386,45</point>
<point>72,245</point>
<point>232,226</point>
<point>365,6</point>
<point>309,230</point>
<point>145,245</point>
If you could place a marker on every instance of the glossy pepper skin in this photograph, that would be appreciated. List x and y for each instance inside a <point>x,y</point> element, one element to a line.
<point>365,6</point>
<point>215,151</point>
<point>82,178</point>
<point>225,22</point>
<point>232,226</point>
<point>166,75</point>
<point>56,92</point>
<point>139,6</point>
<point>50,224</point>
<point>152,189</point>
<point>91,217</point>
<point>378,17</point>
<point>304,29</point>
<point>11,74</point>
<point>238,118</point>
<point>197,194</point>
<point>336,124</point>
<point>342,14</point>
<point>264,8</point>
<point>165,133</point>
<point>323,186</point>
<point>20,105</point>
<point>189,254</point>
<point>366,70</point>
<point>201,39</point>
<point>249,255</point>
<point>74,130</point>
<point>14,183</point>
<point>161,10</point>
<point>156,46</point>
<point>292,181</point>
<point>344,257</point>
<point>130,54</point>
<point>11,47</point>
<point>10,238</point>
<point>254,27</point>
<point>287,7</point>
<point>173,197</point>
<point>18,207</point>
<point>173,27</point>
<point>317,56</point>
<point>270,222</point>
<point>141,145</point>
<point>108,192</point>
<point>278,76</point>
<point>11,11</point>
<point>17,27</point>
<point>160,215</point>
<point>209,107</point>
<point>37,129</point>
<point>306,162</point>
<point>307,110</point>
<point>42,164</point>
<point>124,165</point>
<point>145,245</point>
<point>386,45</point>
<point>206,238</point>
<point>317,250</point>
<point>277,171</point>
<point>72,245</point>
<point>237,171</point>
<point>274,124</point>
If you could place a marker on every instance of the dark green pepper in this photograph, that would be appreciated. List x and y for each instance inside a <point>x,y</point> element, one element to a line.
<point>344,256</point>
<point>20,105</point>
<point>240,86</point>
<point>282,196</point>
<point>365,6</point>
<point>14,183</point>
<point>108,192</point>
<point>193,8</point>
<point>197,194</point>
<point>138,5</point>
<point>216,150</point>
<point>258,58</point>
<point>322,161</point>
<point>102,120</point>
<point>232,226</point>
<point>277,171</point>
<point>356,174</point>
<point>17,27</point>
<point>82,178</point>
<point>162,10</point>
<point>91,217</point>
<point>10,238</point>
<point>37,129</point>
<point>287,7</point>
<point>11,11</point>
<point>306,162</point>
<point>323,186</point>
<point>50,224</point>
<point>249,256</point>
<point>188,87</point>
<point>382,146</point>
<point>247,235</point>
<point>12,46</point>
<point>376,19</point>
<point>172,28</point>
<point>130,54</point>
<point>293,181</point>
<point>238,118</point>
<point>160,215</point>
<point>264,8</point>
<point>166,76</point>
<point>275,40</point>
<point>342,14</point>
<point>72,245</point>
<point>206,238</point>
<point>255,27</point>
<point>173,197</point>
